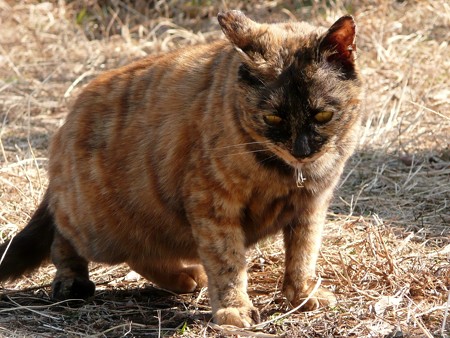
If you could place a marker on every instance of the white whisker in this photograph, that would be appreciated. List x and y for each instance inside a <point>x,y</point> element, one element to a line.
<point>268,158</point>
<point>239,153</point>
<point>240,145</point>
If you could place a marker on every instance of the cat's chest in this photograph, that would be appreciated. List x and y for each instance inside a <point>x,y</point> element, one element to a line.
<point>266,214</point>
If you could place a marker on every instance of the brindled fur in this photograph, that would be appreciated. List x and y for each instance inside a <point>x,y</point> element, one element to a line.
<point>177,163</point>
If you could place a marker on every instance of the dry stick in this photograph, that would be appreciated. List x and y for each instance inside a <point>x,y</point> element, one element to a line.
<point>430,110</point>
<point>316,287</point>
<point>7,182</point>
<point>77,80</point>
<point>129,330</point>
<point>337,273</point>
<point>232,330</point>
<point>29,308</point>
<point>66,331</point>
<point>200,295</point>
<point>2,148</point>
<point>19,163</point>
<point>102,334</point>
<point>4,254</point>
<point>433,309</point>
<point>159,322</point>
<point>444,251</point>
<point>341,184</point>
<point>25,290</point>
<point>386,253</point>
<point>422,327</point>
<point>36,165</point>
<point>445,314</point>
<point>346,276</point>
<point>344,268</point>
<point>10,62</point>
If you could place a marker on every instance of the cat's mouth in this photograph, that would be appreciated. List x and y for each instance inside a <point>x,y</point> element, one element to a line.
<point>309,159</point>
<point>292,160</point>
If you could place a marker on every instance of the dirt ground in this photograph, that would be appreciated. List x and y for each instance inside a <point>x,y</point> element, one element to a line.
<point>386,250</point>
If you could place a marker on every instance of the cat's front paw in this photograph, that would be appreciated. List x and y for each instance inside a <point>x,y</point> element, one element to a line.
<point>238,316</point>
<point>72,288</point>
<point>321,297</point>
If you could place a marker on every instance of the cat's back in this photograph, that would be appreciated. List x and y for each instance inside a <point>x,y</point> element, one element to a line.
<point>154,79</point>
<point>145,100</point>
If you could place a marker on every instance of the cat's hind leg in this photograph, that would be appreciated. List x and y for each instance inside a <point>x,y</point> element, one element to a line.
<point>174,276</point>
<point>72,274</point>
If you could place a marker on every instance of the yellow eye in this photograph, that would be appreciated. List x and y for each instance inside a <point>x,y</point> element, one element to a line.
<point>272,120</point>
<point>323,116</point>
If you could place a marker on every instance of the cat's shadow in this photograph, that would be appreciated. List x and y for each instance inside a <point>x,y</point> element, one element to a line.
<point>145,306</point>
<point>148,306</point>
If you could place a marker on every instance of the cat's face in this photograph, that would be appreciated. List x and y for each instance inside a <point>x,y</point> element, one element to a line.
<point>299,86</point>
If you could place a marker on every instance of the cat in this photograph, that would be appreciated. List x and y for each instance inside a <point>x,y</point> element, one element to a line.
<point>177,163</point>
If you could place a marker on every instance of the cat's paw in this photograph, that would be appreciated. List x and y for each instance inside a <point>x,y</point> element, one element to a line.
<point>182,283</point>
<point>321,297</point>
<point>238,316</point>
<point>72,288</point>
<point>198,274</point>
<point>188,280</point>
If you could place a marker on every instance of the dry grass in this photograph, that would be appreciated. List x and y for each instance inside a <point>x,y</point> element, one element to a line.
<point>386,251</point>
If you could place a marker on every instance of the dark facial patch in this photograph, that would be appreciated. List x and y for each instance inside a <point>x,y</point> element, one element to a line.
<point>297,133</point>
<point>301,91</point>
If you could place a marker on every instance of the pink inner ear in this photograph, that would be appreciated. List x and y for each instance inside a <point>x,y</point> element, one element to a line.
<point>341,39</point>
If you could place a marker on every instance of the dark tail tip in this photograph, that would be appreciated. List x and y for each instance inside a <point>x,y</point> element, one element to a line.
<point>30,247</point>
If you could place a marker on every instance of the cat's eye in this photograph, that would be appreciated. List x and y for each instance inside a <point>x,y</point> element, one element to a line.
<point>272,120</point>
<point>323,116</point>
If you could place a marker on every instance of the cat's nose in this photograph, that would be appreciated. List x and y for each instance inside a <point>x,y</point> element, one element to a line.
<point>302,147</point>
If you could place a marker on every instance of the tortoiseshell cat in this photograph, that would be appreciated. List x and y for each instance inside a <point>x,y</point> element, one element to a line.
<point>177,163</point>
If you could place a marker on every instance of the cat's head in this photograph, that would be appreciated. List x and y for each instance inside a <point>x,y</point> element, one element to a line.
<point>298,86</point>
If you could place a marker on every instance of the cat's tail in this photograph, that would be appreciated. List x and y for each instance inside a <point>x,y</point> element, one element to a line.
<point>30,247</point>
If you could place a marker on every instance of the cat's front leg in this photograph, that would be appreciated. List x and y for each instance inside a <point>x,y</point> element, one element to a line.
<point>222,251</point>
<point>302,242</point>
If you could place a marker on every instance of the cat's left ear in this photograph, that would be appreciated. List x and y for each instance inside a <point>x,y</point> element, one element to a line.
<point>243,33</point>
<point>338,44</point>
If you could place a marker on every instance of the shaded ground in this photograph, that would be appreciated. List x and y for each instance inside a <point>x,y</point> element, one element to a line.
<point>387,248</point>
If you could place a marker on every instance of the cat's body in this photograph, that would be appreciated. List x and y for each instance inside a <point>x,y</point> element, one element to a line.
<point>177,162</point>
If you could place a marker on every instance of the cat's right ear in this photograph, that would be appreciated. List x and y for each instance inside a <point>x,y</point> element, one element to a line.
<point>242,32</point>
<point>338,46</point>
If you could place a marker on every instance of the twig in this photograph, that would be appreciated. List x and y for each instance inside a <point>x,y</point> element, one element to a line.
<point>31,309</point>
<point>100,334</point>
<point>78,80</point>
<point>430,110</point>
<point>444,322</point>
<point>6,250</point>
<point>422,327</point>
<point>261,325</point>
<point>233,330</point>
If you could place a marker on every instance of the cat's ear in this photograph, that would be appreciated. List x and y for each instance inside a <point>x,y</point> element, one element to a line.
<point>338,44</point>
<point>242,32</point>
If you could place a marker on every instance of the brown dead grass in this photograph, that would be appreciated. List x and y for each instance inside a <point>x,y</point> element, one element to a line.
<point>386,249</point>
